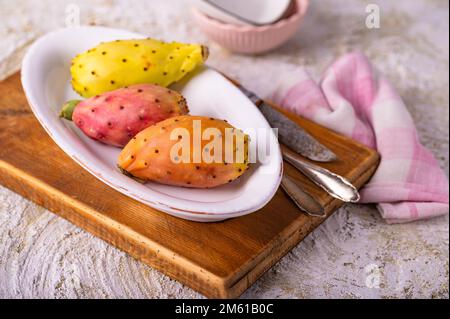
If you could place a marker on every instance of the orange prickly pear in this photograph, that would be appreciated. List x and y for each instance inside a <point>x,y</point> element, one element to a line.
<point>115,117</point>
<point>189,151</point>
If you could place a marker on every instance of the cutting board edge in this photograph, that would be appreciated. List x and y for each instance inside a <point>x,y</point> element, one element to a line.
<point>112,232</point>
<point>295,237</point>
<point>330,206</point>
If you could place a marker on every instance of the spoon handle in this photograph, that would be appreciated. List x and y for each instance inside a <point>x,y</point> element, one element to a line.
<point>334,184</point>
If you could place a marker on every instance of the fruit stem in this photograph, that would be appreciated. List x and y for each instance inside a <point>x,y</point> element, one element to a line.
<point>68,108</point>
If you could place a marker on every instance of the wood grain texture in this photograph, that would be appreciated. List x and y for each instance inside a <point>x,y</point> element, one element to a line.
<point>219,260</point>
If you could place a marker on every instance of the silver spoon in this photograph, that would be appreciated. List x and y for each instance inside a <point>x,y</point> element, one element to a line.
<point>334,184</point>
<point>302,199</point>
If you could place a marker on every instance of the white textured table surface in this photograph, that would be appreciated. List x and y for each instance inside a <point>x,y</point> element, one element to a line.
<point>43,256</point>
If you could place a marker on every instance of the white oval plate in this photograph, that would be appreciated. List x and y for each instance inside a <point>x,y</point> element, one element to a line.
<point>46,81</point>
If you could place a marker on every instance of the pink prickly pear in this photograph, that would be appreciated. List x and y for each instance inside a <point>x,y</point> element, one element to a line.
<point>115,117</point>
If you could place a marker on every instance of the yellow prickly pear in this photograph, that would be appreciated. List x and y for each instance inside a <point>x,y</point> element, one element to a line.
<point>189,151</point>
<point>121,63</point>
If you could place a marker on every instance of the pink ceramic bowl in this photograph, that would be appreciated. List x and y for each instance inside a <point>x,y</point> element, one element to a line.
<point>252,39</point>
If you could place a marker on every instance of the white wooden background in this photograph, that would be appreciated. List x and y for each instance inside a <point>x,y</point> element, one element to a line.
<point>43,256</point>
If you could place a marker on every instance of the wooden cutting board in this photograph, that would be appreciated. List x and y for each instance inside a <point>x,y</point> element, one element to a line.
<point>217,259</point>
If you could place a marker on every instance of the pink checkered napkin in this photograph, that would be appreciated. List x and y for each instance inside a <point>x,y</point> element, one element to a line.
<point>351,99</point>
